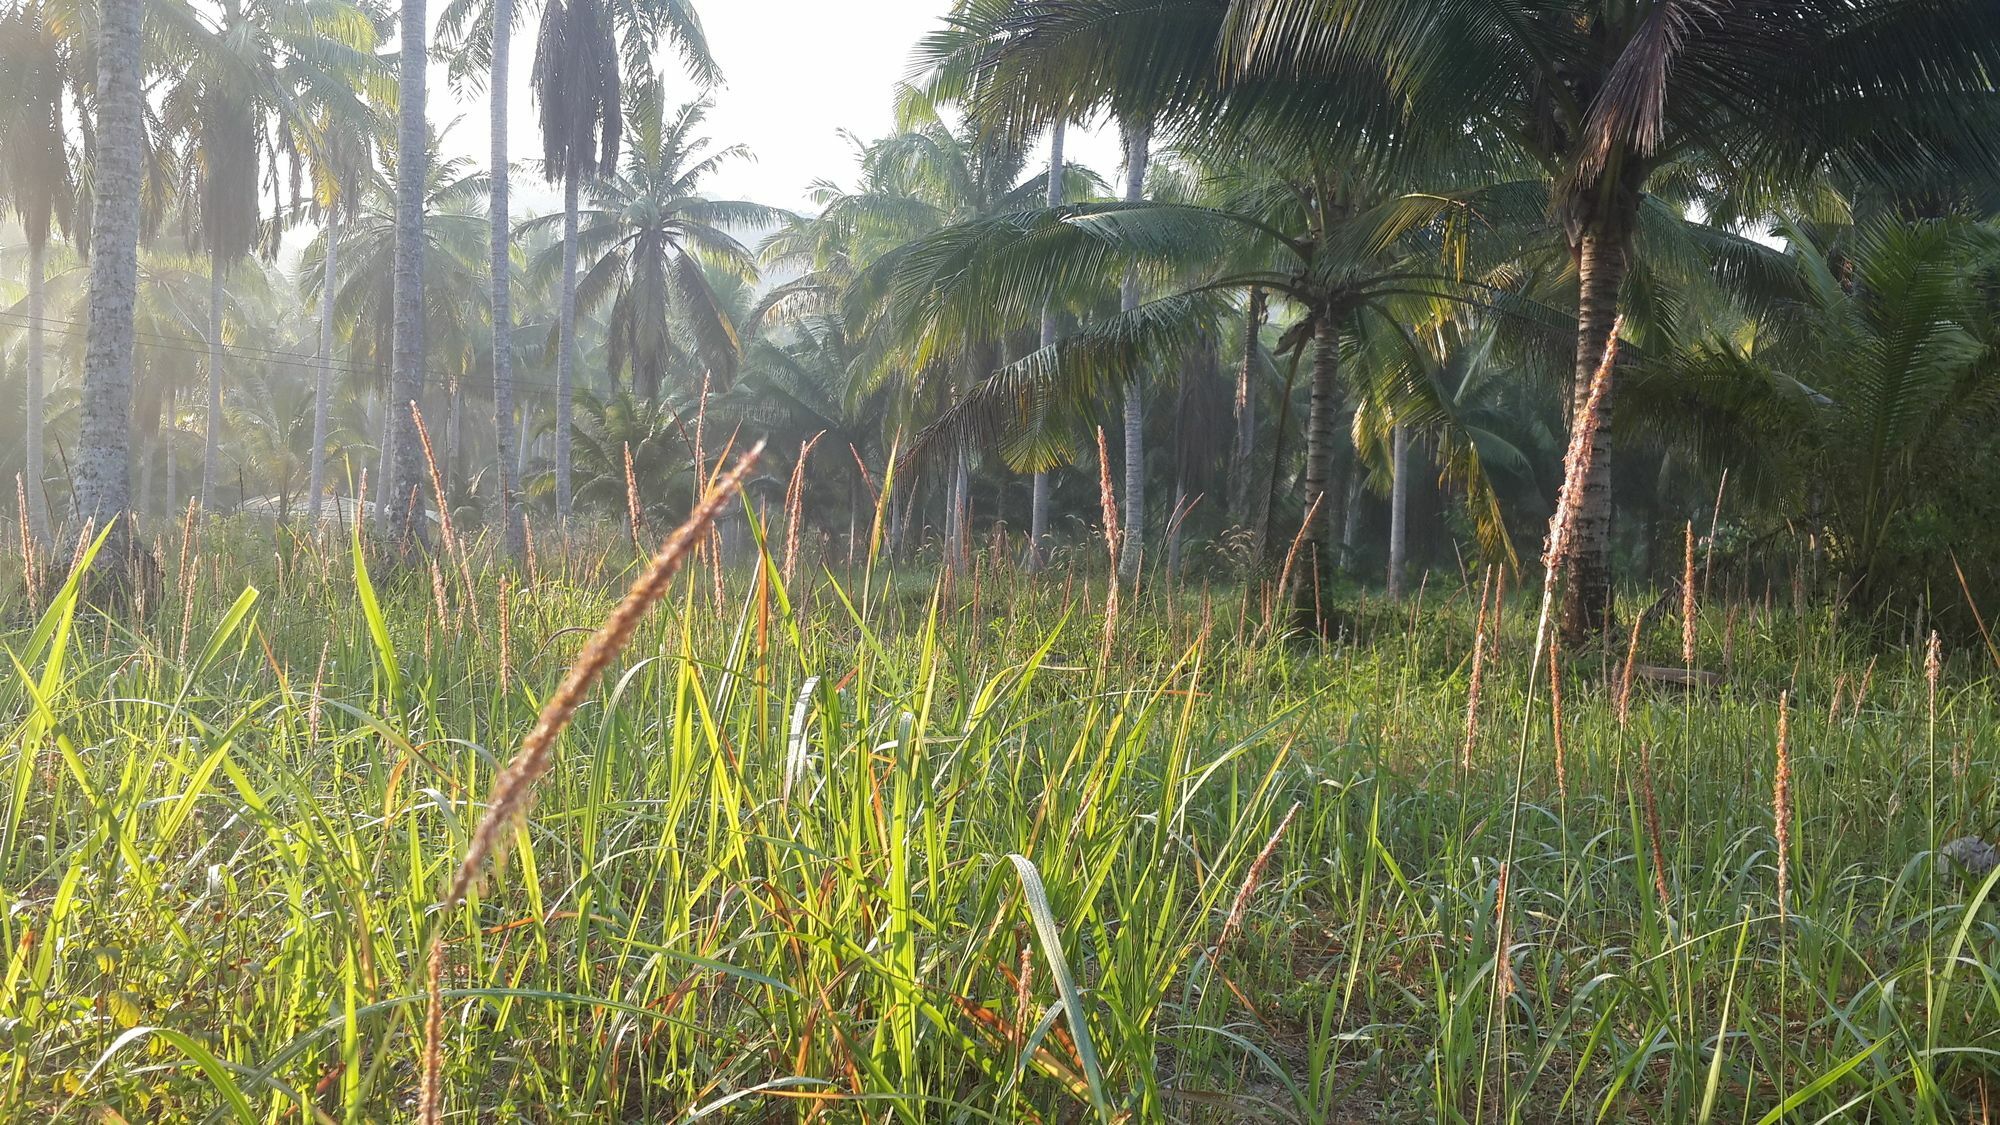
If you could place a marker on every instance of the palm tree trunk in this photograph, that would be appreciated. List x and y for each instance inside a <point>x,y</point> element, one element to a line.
<point>33,473</point>
<point>1038,507</point>
<point>502,304</point>
<point>1240,472</point>
<point>384,456</point>
<point>169,431</point>
<point>454,437</point>
<point>323,373</point>
<point>1350,524</point>
<point>1138,142</point>
<point>958,537</point>
<point>406,355</point>
<point>211,450</point>
<point>1586,610</point>
<point>1399,510</point>
<point>142,505</point>
<point>104,453</point>
<point>566,346</point>
<point>1322,431</point>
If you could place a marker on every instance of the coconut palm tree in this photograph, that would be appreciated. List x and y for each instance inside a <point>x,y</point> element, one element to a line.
<point>647,237</point>
<point>104,450</point>
<point>1339,247</point>
<point>36,180</point>
<point>1608,99</point>
<point>340,177</point>
<point>405,475</point>
<point>365,311</point>
<point>583,52</point>
<point>255,83</point>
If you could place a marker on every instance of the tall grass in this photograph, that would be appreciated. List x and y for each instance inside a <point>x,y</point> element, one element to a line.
<point>864,847</point>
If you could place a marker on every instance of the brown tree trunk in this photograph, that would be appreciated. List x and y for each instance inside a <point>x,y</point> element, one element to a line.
<point>1240,473</point>
<point>104,454</point>
<point>1313,565</point>
<point>1586,609</point>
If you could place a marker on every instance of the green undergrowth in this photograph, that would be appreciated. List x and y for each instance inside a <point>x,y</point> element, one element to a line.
<point>872,846</point>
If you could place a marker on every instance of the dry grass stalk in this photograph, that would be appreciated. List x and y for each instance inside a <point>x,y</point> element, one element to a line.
<point>28,577</point>
<point>1653,833</point>
<point>514,789</point>
<point>1503,939</point>
<point>506,633</point>
<point>1556,716</point>
<point>1781,801</point>
<point>83,537</point>
<point>1576,465</point>
<point>454,549</point>
<point>1108,500</point>
<point>794,504</point>
<point>318,697</point>
<point>1861,691</point>
<point>632,517</point>
<point>1478,675</point>
<point>528,543</point>
<point>1625,676</point>
<point>1729,640</point>
<point>1292,556</point>
<point>438,595</point>
<point>1688,602</point>
<point>361,520</point>
<point>1251,878</point>
<point>1024,1013</point>
<point>189,574</point>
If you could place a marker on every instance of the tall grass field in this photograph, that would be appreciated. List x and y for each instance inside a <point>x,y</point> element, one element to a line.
<point>873,845</point>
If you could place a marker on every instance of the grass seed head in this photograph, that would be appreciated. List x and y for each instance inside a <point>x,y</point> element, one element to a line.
<point>513,790</point>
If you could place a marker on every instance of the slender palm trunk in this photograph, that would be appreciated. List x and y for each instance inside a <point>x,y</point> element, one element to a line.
<point>323,373</point>
<point>1038,508</point>
<point>33,473</point>
<point>1138,142</point>
<point>384,457</point>
<point>1240,473</point>
<point>1322,430</point>
<point>406,362</point>
<point>211,450</point>
<point>1601,265</point>
<point>1399,509</point>
<point>104,454</point>
<point>503,310</point>
<point>566,346</point>
<point>169,431</point>
<point>958,537</point>
<point>454,437</point>
<point>142,505</point>
<point>1350,524</point>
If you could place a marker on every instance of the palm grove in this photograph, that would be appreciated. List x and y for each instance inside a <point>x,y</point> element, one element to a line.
<point>1336,313</point>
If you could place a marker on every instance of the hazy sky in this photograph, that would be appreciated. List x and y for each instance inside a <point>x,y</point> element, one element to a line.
<point>797,71</point>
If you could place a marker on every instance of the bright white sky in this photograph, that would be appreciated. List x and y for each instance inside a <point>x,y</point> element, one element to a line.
<point>797,71</point>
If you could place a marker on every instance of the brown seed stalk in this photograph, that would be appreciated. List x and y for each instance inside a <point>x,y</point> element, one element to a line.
<point>1688,602</point>
<point>1251,878</point>
<point>1108,501</point>
<point>514,788</point>
<point>1556,715</point>
<point>1653,834</point>
<point>1781,801</point>
<point>1625,676</point>
<point>632,517</point>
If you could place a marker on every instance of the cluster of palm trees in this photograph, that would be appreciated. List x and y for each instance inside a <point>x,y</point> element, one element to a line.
<point>1361,265</point>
